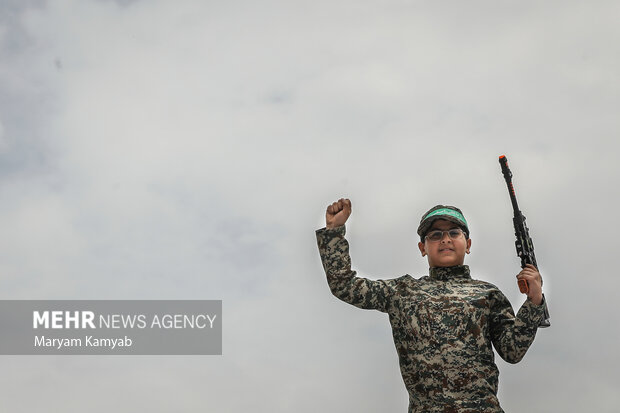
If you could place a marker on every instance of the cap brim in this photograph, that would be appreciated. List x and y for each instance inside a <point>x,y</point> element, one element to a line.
<point>427,224</point>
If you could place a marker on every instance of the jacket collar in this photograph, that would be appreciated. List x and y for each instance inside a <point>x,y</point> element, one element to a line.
<point>448,273</point>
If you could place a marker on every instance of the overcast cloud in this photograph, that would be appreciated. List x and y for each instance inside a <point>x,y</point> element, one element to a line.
<point>187,150</point>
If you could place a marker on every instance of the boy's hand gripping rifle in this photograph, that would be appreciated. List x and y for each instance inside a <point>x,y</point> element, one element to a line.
<point>524,244</point>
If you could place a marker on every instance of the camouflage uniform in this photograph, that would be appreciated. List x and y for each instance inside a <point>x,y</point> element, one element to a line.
<point>443,326</point>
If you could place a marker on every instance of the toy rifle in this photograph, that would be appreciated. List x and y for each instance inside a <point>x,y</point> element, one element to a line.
<point>524,244</point>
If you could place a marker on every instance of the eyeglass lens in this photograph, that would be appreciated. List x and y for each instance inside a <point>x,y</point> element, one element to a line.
<point>437,235</point>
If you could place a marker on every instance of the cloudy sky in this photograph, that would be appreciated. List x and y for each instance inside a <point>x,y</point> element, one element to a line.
<point>187,150</point>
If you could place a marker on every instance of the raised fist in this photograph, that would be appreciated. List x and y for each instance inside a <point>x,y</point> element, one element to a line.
<point>337,213</point>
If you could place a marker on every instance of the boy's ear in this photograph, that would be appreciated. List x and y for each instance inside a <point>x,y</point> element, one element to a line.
<point>468,245</point>
<point>422,249</point>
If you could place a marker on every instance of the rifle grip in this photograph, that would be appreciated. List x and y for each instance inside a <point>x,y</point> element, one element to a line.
<point>523,286</point>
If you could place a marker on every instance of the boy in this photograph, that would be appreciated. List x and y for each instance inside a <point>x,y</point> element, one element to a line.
<point>443,324</point>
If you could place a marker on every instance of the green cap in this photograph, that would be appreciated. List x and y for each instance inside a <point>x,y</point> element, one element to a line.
<point>447,212</point>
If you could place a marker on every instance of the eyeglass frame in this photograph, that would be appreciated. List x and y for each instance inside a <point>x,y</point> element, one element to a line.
<point>460,230</point>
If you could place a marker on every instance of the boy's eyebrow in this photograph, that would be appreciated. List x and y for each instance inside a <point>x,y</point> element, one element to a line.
<point>438,229</point>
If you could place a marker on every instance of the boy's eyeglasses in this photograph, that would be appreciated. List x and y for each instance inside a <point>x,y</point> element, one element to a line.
<point>437,235</point>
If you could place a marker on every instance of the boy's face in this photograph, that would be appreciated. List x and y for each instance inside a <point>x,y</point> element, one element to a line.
<point>447,252</point>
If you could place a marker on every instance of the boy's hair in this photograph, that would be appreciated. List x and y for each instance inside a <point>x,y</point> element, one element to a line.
<point>445,212</point>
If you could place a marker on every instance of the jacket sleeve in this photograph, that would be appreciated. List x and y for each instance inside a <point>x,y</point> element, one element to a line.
<point>344,284</point>
<point>512,335</point>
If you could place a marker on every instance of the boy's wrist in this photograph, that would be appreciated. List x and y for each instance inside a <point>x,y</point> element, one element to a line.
<point>538,300</point>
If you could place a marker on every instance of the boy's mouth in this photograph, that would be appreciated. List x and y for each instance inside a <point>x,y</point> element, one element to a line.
<point>446,249</point>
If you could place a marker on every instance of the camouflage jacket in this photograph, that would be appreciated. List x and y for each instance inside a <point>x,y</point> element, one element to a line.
<point>443,326</point>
